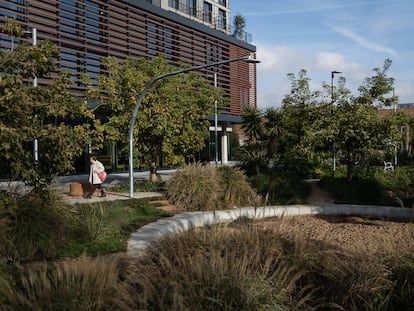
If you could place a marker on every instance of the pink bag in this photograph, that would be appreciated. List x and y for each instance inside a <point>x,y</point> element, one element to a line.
<point>102,176</point>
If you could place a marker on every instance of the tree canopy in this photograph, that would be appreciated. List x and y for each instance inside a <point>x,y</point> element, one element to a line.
<point>299,135</point>
<point>172,121</point>
<point>61,123</point>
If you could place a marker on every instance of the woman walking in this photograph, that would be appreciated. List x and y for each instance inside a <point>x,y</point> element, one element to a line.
<point>96,168</point>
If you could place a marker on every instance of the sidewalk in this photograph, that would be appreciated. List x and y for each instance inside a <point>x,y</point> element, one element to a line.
<point>110,196</point>
<point>63,184</point>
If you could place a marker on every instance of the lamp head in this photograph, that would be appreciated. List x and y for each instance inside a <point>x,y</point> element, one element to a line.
<point>334,72</point>
<point>250,60</point>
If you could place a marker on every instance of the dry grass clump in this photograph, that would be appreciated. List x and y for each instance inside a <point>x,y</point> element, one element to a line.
<point>33,226</point>
<point>198,187</point>
<point>195,187</point>
<point>245,265</point>
<point>82,284</point>
<point>237,191</point>
<point>219,270</point>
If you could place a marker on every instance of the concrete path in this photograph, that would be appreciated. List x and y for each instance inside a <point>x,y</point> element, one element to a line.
<point>110,196</point>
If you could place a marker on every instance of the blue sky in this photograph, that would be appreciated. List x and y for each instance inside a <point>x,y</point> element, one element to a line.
<point>320,36</point>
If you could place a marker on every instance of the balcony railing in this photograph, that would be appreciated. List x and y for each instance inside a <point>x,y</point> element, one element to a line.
<point>214,21</point>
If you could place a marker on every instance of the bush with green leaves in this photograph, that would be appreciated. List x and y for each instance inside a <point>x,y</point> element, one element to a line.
<point>357,191</point>
<point>280,189</point>
<point>237,191</point>
<point>398,183</point>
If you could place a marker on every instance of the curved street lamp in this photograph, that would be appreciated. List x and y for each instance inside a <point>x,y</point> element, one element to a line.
<point>246,59</point>
<point>332,101</point>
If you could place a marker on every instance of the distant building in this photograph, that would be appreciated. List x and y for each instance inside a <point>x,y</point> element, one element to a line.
<point>191,32</point>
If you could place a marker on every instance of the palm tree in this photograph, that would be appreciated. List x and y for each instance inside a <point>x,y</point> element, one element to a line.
<point>252,126</point>
<point>273,130</point>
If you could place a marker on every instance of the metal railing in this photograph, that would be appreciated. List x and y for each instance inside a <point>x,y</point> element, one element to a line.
<point>215,21</point>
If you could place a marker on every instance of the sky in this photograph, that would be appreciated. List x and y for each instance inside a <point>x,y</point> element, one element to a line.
<point>321,36</point>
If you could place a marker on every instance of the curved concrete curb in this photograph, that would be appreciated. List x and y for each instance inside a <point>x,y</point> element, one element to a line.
<point>147,234</point>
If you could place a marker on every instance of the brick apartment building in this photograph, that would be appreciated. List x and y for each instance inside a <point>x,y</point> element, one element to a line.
<point>191,32</point>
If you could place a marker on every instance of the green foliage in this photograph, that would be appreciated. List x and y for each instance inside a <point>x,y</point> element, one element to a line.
<point>354,123</point>
<point>34,226</point>
<point>280,189</point>
<point>402,275</point>
<point>399,183</point>
<point>141,186</point>
<point>239,23</point>
<point>358,191</point>
<point>237,191</point>
<point>61,123</point>
<point>105,227</point>
<point>172,120</point>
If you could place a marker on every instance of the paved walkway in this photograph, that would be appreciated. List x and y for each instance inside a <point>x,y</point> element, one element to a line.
<point>110,196</point>
<point>63,185</point>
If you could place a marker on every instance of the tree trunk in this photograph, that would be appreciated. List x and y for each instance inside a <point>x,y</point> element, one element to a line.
<point>153,172</point>
<point>349,164</point>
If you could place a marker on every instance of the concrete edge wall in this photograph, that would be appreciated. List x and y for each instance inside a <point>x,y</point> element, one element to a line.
<point>150,233</point>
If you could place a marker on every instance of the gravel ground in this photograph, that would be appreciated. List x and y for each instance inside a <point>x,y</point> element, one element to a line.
<point>350,233</point>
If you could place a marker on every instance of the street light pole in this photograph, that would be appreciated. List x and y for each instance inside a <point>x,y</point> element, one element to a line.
<point>215,124</point>
<point>247,59</point>
<point>35,142</point>
<point>332,102</point>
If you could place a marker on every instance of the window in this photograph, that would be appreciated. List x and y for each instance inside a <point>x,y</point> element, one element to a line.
<point>173,4</point>
<point>192,7</point>
<point>207,12</point>
<point>222,2</point>
<point>222,19</point>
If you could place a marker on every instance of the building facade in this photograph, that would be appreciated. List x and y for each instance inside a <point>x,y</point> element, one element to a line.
<point>185,32</point>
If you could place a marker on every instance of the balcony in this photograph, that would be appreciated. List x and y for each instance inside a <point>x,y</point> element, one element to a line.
<point>215,21</point>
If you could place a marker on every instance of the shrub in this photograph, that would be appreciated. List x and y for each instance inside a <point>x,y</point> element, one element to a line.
<point>399,183</point>
<point>356,191</point>
<point>34,225</point>
<point>199,187</point>
<point>195,187</point>
<point>280,189</point>
<point>237,191</point>
<point>141,186</point>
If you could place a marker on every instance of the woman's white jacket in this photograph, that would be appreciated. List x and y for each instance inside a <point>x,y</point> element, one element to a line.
<point>96,168</point>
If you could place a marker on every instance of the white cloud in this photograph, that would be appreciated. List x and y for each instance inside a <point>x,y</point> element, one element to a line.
<point>364,42</point>
<point>278,61</point>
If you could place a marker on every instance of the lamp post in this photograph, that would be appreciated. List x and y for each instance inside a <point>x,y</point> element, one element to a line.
<point>215,124</point>
<point>35,142</point>
<point>395,146</point>
<point>332,102</point>
<point>247,59</point>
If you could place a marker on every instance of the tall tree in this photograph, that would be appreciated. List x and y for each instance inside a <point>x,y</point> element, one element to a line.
<point>297,112</point>
<point>60,123</point>
<point>252,127</point>
<point>274,131</point>
<point>360,133</point>
<point>172,122</point>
